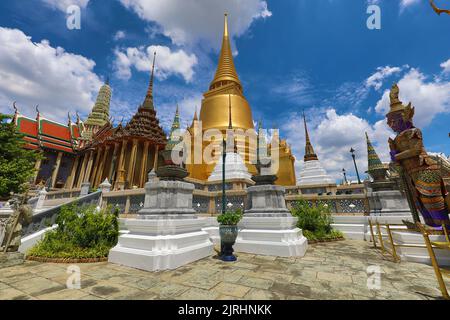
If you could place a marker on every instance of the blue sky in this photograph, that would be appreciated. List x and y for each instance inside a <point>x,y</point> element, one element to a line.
<point>291,55</point>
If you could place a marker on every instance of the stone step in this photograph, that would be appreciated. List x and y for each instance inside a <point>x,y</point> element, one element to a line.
<point>350,231</point>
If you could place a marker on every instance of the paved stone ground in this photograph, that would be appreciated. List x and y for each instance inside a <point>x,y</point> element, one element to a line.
<point>328,271</point>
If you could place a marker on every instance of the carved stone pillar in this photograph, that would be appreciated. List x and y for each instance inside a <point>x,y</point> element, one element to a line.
<point>71,179</point>
<point>37,167</point>
<point>120,180</point>
<point>89,166</point>
<point>113,169</point>
<point>100,151</point>
<point>83,170</point>
<point>132,164</point>
<point>144,165</point>
<point>101,166</point>
<point>56,170</point>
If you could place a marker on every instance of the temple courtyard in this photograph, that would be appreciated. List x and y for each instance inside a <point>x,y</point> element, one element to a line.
<point>335,270</point>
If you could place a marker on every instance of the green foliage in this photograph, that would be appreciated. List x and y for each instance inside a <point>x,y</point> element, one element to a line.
<point>315,221</point>
<point>81,233</point>
<point>16,162</point>
<point>230,218</point>
<point>321,236</point>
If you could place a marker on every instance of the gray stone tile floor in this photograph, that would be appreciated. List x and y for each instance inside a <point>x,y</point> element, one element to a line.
<point>336,270</point>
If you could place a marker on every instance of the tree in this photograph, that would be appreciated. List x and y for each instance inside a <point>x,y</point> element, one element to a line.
<point>16,163</point>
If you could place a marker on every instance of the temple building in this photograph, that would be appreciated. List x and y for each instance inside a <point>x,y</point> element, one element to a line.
<point>312,174</point>
<point>124,155</point>
<point>56,141</point>
<point>225,89</point>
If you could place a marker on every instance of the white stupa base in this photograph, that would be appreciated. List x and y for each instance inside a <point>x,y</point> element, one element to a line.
<point>161,244</point>
<point>271,235</point>
<point>234,168</point>
<point>312,173</point>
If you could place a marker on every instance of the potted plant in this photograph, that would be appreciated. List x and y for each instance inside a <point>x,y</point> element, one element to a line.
<point>228,233</point>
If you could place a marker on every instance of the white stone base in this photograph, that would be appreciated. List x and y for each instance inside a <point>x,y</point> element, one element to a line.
<point>272,236</point>
<point>419,254</point>
<point>161,244</point>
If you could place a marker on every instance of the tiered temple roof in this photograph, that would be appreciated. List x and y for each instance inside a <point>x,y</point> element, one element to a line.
<point>44,133</point>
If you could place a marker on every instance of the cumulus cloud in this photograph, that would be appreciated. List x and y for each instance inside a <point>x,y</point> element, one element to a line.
<point>62,5</point>
<point>376,80</point>
<point>446,66</point>
<point>37,73</point>
<point>332,135</point>
<point>190,21</point>
<point>168,62</point>
<point>430,98</point>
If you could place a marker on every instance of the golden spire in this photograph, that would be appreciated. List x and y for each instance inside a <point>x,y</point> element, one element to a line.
<point>309,150</point>
<point>226,72</point>
<point>148,102</point>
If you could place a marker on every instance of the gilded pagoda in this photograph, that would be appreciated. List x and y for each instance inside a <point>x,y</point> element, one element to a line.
<point>226,89</point>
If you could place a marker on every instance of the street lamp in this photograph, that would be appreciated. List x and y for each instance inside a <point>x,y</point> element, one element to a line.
<point>345,176</point>
<point>224,157</point>
<point>352,151</point>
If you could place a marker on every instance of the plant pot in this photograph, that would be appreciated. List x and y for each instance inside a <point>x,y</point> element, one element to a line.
<point>228,235</point>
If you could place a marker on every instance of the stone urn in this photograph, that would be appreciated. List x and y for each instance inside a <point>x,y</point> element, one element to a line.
<point>228,236</point>
<point>170,171</point>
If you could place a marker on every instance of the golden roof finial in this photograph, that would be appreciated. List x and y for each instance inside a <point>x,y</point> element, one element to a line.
<point>226,71</point>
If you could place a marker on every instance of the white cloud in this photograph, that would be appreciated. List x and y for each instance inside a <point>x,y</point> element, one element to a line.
<point>119,35</point>
<point>332,136</point>
<point>406,3</point>
<point>446,66</point>
<point>189,21</point>
<point>430,98</point>
<point>168,62</point>
<point>64,4</point>
<point>376,80</point>
<point>37,73</point>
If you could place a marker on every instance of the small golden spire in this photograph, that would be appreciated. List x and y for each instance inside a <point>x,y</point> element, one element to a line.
<point>148,102</point>
<point>226,71</point>
<point>309,150</point>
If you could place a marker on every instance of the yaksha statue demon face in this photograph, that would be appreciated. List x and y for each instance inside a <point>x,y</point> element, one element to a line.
<point>423,174</point>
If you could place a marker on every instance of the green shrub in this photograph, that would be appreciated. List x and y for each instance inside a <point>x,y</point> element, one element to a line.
<point>81,233</point>
<point>315,221</point>
<point>230,218</point>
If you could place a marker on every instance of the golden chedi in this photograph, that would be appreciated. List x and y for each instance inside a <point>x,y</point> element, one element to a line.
<point>225,98</point>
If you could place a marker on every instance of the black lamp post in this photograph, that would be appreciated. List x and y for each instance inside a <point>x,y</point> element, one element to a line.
<point>224,157</point>
<point>352,151</point>
<point>345,176</point>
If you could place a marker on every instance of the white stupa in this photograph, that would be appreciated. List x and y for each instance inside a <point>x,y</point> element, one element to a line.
<point>312,172</point>
<point>234,168</point>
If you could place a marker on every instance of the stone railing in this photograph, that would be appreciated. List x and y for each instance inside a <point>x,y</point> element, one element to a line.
<point>209,202</point>
<point>48,217</point>
<point>63,194</point>
<point>357,204</point>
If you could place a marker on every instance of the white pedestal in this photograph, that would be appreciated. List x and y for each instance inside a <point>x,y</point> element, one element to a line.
<point>268,228</point>
<point>418,254</point>
<point>156,244</point>
<point>168,234</point>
